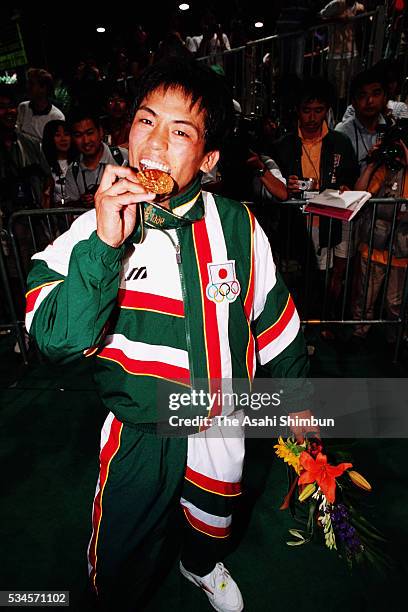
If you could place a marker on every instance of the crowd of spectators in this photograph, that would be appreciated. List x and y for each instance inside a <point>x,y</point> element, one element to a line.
<point>48,159</point>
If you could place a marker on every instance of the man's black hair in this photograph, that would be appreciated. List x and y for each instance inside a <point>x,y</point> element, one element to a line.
<point>43,78</point>
<point>367,77</point>
<point>113,89</point>
<point>8,90</point>
<point>205,88</point>
<point>315,88</point>
<point>82,114</point>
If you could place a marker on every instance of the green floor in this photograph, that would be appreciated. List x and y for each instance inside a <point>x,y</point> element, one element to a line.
<point>49,426</point>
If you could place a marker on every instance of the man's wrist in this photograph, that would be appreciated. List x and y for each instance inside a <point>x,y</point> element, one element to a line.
<point>260,171</point>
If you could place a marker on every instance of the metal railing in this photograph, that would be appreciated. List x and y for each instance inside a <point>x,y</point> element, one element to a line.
<point>336,50</point>
<point>28,231</point>
<point>297,259</point>
<point>295,253</point>
<point>13,325</point>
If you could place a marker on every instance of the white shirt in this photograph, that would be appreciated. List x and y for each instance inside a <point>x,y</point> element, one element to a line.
<point>31,124</point>
<point>399,110</point>
<point>260,191</point>
<point>361,138</point>
<point>193,44</point>
<point>78,182</point>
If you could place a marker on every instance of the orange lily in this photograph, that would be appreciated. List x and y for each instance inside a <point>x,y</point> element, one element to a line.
<point>318,470</point>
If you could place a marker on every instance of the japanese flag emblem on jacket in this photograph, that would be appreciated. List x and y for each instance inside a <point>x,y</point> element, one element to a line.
<point>223,284</point>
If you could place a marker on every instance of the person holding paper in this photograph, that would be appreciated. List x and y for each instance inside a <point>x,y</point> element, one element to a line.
<point>322,154</point>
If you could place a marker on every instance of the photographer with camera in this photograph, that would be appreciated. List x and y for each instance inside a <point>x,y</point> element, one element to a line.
<point>325,159</point>
<point>83,176</point>
<point>384,176</point>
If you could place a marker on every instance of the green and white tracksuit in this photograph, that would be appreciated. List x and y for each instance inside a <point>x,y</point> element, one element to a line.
<point>197,298</point>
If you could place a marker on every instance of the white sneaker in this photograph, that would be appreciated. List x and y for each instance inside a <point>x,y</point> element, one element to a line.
<point>220,588</point>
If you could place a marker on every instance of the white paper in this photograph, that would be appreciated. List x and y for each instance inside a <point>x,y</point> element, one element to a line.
<point>333,197</point>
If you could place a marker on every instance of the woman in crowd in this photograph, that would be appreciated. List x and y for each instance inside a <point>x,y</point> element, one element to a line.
<point>59,151</point>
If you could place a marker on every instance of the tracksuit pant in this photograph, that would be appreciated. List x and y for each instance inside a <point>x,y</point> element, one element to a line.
<point>143,479</point>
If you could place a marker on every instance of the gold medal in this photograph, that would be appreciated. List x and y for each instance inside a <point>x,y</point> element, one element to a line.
<point>156,181</point>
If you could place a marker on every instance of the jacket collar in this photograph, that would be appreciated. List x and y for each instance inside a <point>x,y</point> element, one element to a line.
<point>323,134</point>
<point>184,209</point>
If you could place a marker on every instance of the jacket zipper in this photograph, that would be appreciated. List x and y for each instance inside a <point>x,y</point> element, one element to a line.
<point>186,318</point>
<point>177,249</point>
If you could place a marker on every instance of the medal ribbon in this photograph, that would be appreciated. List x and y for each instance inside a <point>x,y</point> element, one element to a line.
<point>155,216</point>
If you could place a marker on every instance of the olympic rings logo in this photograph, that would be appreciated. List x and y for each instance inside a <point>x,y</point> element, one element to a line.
<point>221,291</point>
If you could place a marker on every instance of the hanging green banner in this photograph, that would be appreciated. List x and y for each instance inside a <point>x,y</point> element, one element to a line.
<point>12,52</point>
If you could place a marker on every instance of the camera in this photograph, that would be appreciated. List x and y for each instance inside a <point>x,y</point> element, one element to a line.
<point>390,153</point>
<point>307,184</point>
<point>247,131</point>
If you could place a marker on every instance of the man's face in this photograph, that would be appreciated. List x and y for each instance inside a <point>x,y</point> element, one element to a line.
<point>35,90</point>
<point>117,107</point>
<point>169,134</point>
<point>311,116</point>
<point>87,137</point>
<point>8,114</point>
<point>369,101</point>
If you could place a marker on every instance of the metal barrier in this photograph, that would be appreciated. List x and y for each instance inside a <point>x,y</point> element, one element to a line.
<point>333,49</point>
<point>14,325</point>
<point>359,271</point>
<point>28,231</point>
<point>319,300</point>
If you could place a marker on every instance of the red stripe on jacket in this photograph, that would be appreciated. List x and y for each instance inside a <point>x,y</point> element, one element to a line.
<point>211,336</point>
<point>150,301</point>
<point>152,368</point>
<point>31,296</point>
<point>270,334</point>
<point>249,303</point>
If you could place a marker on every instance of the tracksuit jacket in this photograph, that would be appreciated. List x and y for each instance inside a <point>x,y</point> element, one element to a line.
<point>198,298</point>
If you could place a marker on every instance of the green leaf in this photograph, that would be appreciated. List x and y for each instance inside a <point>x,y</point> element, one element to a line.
<point>297,543</point>
<point>374,535</point>
<point>310,519</point>
<point>295,448</point>
<point>363,522</point>
<point>296,533</point>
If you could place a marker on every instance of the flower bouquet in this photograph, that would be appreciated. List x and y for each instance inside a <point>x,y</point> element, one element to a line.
<point>328,492</point>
